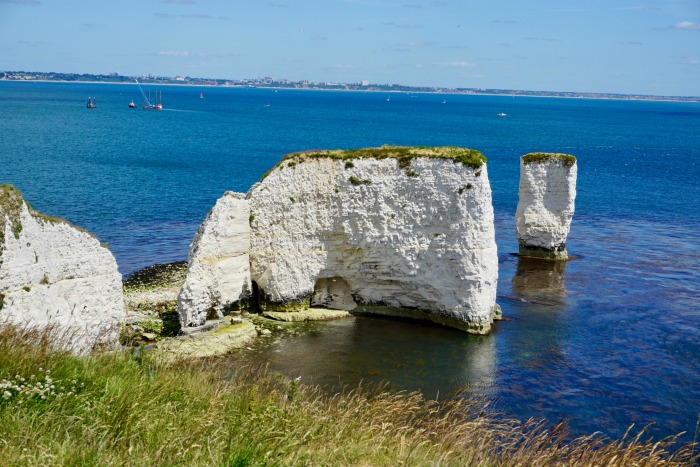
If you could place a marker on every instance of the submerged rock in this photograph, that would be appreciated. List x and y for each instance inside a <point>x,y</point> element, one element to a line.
<point>389,230</point>
<point>54,275</point>
<point>546,204</point>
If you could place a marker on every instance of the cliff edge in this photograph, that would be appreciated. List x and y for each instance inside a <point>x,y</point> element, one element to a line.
<point>55,275</point>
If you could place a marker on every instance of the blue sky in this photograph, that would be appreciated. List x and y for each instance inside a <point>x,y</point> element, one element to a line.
<point>646,47</point>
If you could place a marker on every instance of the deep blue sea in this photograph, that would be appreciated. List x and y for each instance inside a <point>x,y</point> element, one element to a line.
<point>606,340</point>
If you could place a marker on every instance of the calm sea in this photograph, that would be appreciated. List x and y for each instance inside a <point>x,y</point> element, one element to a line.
<point>609,339</point>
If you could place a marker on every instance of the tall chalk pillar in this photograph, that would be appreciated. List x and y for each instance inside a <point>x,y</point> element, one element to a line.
<point>546,204</point>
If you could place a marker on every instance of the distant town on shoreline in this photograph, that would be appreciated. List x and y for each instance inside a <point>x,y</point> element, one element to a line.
<point>304,84</point>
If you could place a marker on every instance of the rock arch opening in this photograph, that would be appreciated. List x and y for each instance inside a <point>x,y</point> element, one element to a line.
<point>333,293</point>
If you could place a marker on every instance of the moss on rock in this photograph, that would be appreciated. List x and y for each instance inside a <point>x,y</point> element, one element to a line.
<point>10,209</point>
<point>540,157</point>
<point>403,154</point>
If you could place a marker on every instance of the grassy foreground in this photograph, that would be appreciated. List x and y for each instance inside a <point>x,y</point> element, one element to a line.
<point>128,409</point>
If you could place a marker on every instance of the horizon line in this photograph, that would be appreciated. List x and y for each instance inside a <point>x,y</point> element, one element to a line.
<point>306,82</point>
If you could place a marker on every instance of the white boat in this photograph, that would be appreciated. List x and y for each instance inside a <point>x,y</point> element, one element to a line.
<point>501,114</point>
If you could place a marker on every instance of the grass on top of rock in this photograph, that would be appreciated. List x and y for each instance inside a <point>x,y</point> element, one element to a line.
<point>403,154</point>
<point>10,208</point>
<point>540,157</point>
<point>11,205</point>
<point>112,408</point>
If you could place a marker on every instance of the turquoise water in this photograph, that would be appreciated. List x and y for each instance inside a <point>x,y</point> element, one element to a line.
<point>609,339</point>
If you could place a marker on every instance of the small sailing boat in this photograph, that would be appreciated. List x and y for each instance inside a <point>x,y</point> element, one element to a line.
<point>201,95</point>
<point>132,105</point>
<point>91,104</point>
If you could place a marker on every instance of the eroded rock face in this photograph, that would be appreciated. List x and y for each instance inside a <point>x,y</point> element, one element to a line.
<point>546,204</point>
<point>53,274</point>
<point>407,236</point>
<point>218,273</point>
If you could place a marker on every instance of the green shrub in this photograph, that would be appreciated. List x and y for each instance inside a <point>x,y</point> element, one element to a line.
<point>356,181</point>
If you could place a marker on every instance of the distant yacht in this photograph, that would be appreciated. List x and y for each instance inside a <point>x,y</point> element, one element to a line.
<point>132,105</point>
<point>388,99</point>
<point>201,95</point>
<point>91,104</point>
<point>501,114</point>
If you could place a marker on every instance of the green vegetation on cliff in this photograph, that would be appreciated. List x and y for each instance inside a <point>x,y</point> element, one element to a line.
<point>403,155</point>
<point>10,208</point>
<point>469,157</point>
<point>540,157</point>
<point>129,408</point>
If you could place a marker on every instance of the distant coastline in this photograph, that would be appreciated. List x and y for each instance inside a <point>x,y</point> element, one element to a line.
<point>114,78</point>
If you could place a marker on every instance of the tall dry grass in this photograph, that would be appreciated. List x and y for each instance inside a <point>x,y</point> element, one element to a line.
<point>126,408</point>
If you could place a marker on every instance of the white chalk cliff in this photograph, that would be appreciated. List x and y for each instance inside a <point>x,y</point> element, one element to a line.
<point>546,204</point>
<point>54,274</point>
<point>399,231</point>
<point>218,272</point>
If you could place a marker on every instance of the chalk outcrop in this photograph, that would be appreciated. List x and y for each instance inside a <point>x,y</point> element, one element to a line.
<point>396,231</point>
<point>218,273</point>
<point>55,275</point>
<point>546,204</point>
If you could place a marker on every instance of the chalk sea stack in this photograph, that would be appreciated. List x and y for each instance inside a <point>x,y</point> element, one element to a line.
<point>546,204</point>
<point>54,275</point>
<point>398,231</point>
<point>218,270</point>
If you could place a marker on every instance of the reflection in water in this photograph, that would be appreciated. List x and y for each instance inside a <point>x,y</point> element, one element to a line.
<point>539,290</point>
<point>410,355</point>
<point>540,280</point>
